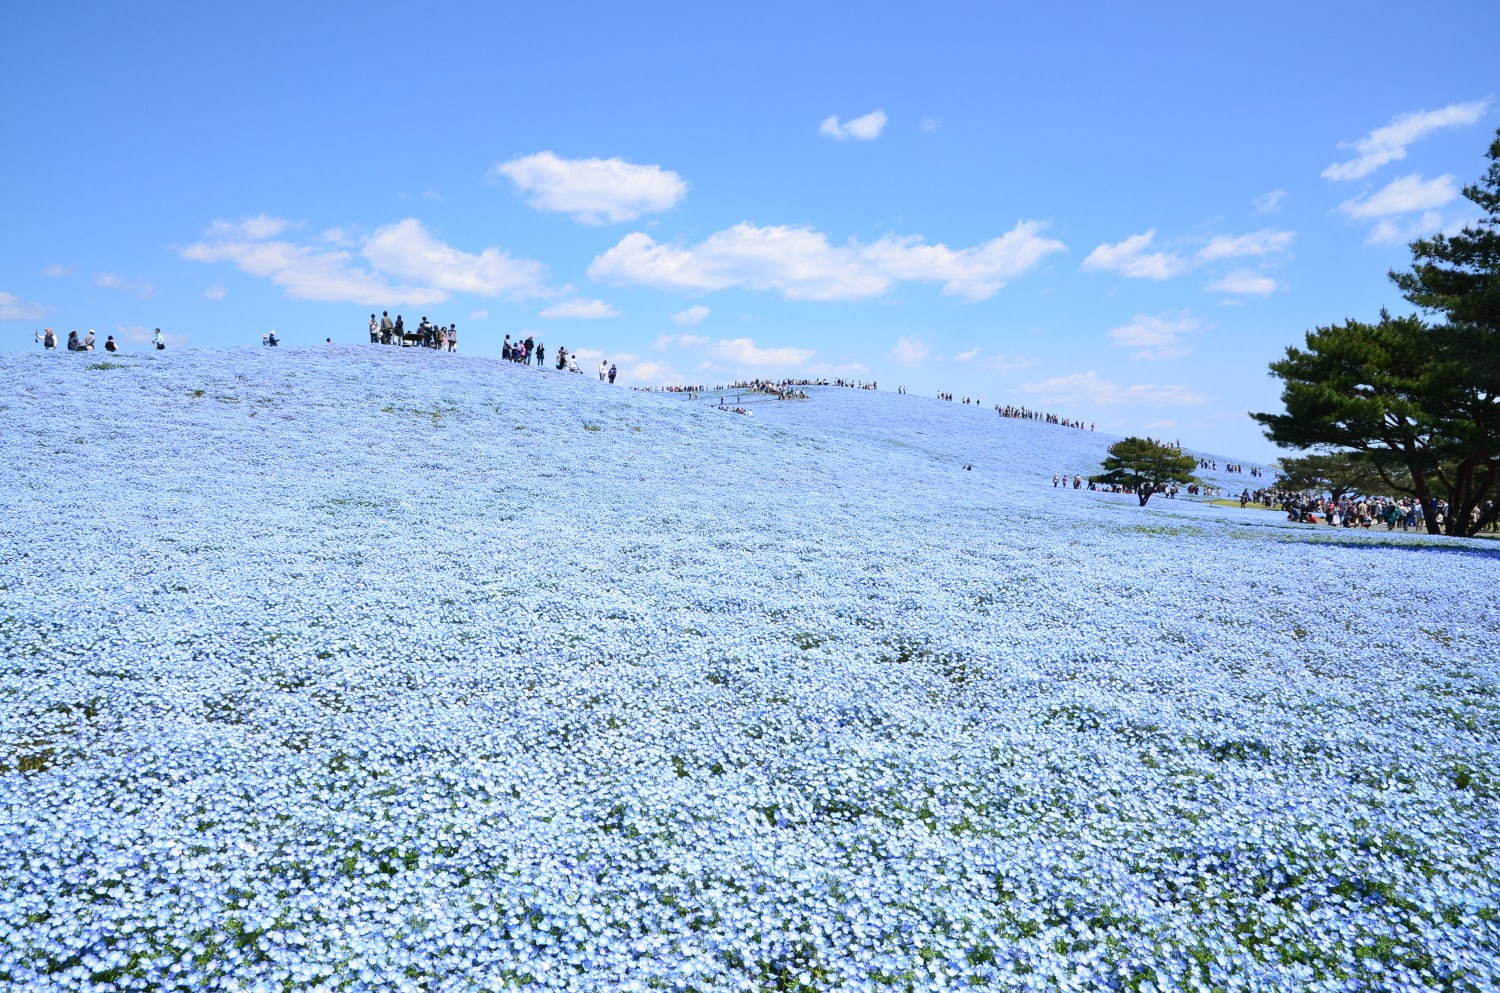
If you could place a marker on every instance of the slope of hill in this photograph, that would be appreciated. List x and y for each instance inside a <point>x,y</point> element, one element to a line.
<point>358,669</point>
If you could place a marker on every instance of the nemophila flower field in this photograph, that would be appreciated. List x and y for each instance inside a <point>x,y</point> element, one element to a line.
<point>362,669</point>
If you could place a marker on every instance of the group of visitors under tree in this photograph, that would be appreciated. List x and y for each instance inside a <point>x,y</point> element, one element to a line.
<point>384,331</point>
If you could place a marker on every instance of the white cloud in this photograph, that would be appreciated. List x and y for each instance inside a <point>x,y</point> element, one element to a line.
<point>257,228</point>
<point>593,191</point>
<point>1130,258</point>
<point>1396,230</point>
<point>215,292</point>
<point>479,315</point>
<point>866,128</point>
<point>1008,363</point>
<point>1388,143</point>
<point>58,270</point>
<point>113,281</point>
<point>325,269</point>
<point>1089,387</point>
<point>1402,196</point>
<point>801,264</point>
<point>580,309</point>
<point>651,374</point>
<point>1244,282</point>
<point>692,316</point>
<point>746,352</point>
<point>665,341</point>
<point>930,124</point>
<point>1155,337</point>
<point>1264,242</point>
<point>1269,203</point>
<point>13,308</point>
<point>310,273</point>
<point>406,250</point>
<point>910,351</point>
<point>967,356</point>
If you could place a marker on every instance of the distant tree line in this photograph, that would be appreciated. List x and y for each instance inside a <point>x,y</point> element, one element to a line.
<point>1405,404</point>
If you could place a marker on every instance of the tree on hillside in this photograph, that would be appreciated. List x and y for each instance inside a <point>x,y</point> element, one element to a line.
<point>1420,404</point>
<point>1142,465</point>
<point>1338,473</point>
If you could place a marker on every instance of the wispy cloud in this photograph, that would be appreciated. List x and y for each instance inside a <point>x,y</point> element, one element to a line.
<point>1091,388</point>
<point>56,271</point>
<point>746,352</point>
<point>1266,242</point>
<point>1402,196</point>
<point>1270,203</point>
<point>1132,258</point>
<point>665,341</point>
<point>1389,143</point>
<point>580,309</point>
<point>1156,337</point>
<point>865,128</point>
<point>114,281</point>
<point>694,315</point>
<point>13,308</point>
<point>1244,282</point>
<point>910,351</point>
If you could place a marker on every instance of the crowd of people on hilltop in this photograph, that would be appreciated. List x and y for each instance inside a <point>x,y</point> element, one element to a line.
<point>384,331</point>
<point>48,339</point>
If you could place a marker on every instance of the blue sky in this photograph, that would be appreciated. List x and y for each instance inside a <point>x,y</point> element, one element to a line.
<point>1117,215</point>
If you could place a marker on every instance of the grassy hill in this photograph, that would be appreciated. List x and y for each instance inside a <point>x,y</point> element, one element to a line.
<point>363,669</point>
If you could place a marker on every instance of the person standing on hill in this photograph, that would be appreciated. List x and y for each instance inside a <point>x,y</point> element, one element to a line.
<point>49,339</point>
<point>386,327</point>
<point>528,348</point>
<point>541,355</point>
<point>453,337</point>
<point>158,340</point>
<point>603,369</point>
<point>374,330</point>
<point>612,373</point>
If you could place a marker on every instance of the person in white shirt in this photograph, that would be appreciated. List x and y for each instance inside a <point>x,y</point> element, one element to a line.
<point>603,369</point>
